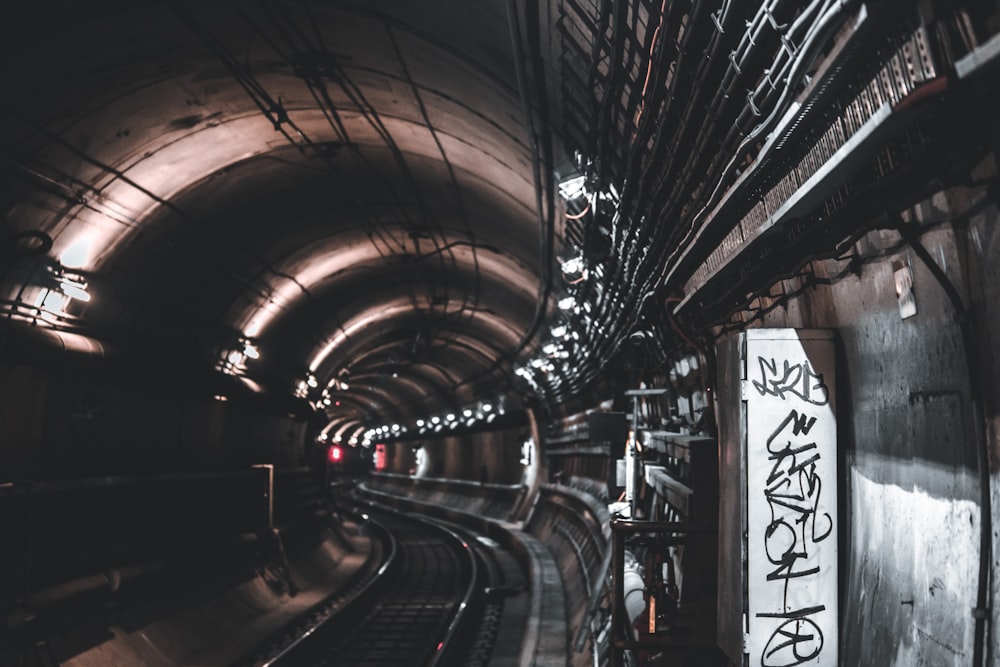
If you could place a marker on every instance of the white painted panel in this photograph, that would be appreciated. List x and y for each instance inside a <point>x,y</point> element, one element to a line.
<point>791,498</point>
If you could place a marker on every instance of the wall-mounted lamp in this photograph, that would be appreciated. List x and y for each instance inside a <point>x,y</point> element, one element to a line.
<point>74,288</point>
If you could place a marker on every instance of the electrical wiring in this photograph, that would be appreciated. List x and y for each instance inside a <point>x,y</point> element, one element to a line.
<point>182,214</point>
<point>541,156</point>
<point>602,126</point>
<point>647,274</point>
<point>636,48</point>
<point>374,119</point>
<point>854,263</point>
<point>804,58</point>
<point>463,214</point>
<point>641,242</point>
<point>580,215</point>
<point>692,34</point>
<point>300,47</point>
<point>265,104</point>
<point>540,141</point>
<point>668,153</point>
<point>654,42</point>
<point>643,272</point>
<point>680,167</point>
<point>293,36</point>
<point>736,127</point>
<point>739,69</point>
<point>821,92</point>
<point>600,28</point>
<point>77,194</point>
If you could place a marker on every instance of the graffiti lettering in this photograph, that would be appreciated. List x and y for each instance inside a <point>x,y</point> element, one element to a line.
<point>793,643</point>
<point>793,491</point>
<point>791,486</point>
<point>798,380</point>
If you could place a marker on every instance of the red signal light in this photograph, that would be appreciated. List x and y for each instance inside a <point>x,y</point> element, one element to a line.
<point>336,454</point>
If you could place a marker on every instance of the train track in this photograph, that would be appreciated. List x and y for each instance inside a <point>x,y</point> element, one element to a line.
<point>410,614</point>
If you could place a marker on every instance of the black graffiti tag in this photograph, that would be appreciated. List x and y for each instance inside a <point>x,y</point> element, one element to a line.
<point>793,490</point>
<point>799,380</point>
<point>793,643</point>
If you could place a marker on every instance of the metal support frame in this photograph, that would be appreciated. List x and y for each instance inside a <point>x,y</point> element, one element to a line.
<point>621,638</point>
<point>636,470</point>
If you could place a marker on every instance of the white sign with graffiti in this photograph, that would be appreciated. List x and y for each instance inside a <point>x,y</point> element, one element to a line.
<point>791,498</point>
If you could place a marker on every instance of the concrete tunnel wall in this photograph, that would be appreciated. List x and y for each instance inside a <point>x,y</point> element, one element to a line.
<point>62,421</point>
<point>77,420</point>
<point>493,454</point>
<point>909,482</point>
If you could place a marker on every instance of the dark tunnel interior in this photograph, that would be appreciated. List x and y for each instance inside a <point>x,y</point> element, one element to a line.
<point>676,316</point>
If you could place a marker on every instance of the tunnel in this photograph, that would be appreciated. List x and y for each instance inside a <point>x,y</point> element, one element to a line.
<point>663,327</point>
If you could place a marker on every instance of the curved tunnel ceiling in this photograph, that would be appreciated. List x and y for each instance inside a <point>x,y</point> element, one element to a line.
<point>356,200</point>
<point>300,192</point>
